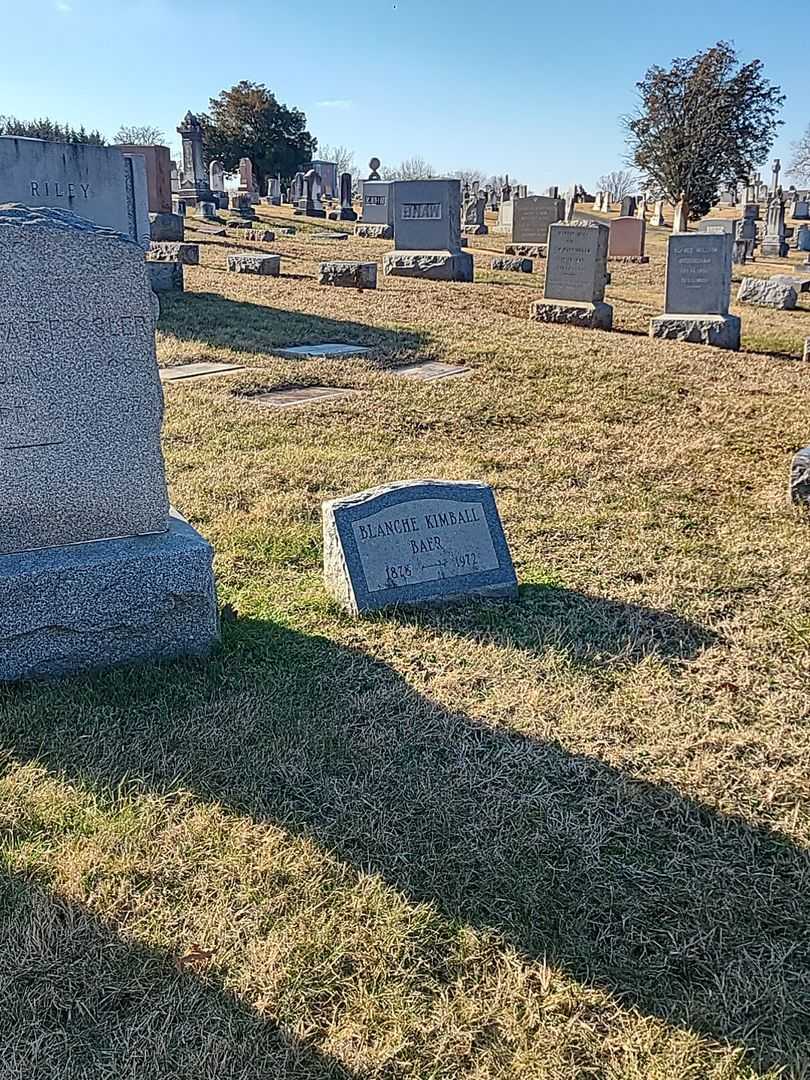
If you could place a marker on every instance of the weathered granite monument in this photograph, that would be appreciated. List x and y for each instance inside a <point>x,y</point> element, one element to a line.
<point>576,275</point>
<point>194,186</point>
<point>94,567</point>
<point>697,291</point>
<point>427,231</point>
<point>532,217</point>
<point>97,182</point>
<point>417,542</point>
<point>157,161</point>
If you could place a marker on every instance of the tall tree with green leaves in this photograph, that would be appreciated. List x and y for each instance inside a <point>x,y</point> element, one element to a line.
<point>248,121</point>
<point>706,119</point>
<point>50,130</point>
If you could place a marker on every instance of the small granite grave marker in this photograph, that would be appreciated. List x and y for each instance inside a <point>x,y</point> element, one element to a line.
<point>417,542</point>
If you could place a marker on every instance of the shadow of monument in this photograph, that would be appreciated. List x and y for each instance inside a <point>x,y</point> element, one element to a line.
<point>245,327</point>
<point>681,912</point>
<point>77,1000</point>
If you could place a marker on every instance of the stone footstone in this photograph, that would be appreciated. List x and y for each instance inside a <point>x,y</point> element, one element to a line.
<point>166,227</point>
<point>430,370</point>
<point>721,331</point>
<point>201,370</point>
<point>431,265</point>
<point>519,266</point>
<point>474,230</point>
<point>374,232</point>
<point>265,265</point>
<point>106,603</point>
<point>240,223</point>
<point>767,292</point>
<point>800,283</point>
<point>210,230</point>
<point>187,254</point>
<point>640,259</point>
<point>799,491</point>
<point>297,352</point>
<point>350,275</point>
<point>302,395</point>
<point>259,236</point>
<point>165,276</point>
<point>529,251</point>
<point>416,543</point>
<point>598,316</point>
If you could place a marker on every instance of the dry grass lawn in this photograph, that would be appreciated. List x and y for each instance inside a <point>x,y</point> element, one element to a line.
<point>566,837</point>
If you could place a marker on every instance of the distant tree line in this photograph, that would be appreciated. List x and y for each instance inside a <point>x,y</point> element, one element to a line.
<point>50,130</point>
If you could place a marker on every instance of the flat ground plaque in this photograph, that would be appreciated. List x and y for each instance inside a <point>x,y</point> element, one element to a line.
<point>430,370</point>
<point>302,395</point>
<point>202,370</point>
<point>416,542</point>
<point>330,349</point>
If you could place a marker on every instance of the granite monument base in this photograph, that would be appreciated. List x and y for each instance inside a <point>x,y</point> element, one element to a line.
<point>165,276</point>
<point>774,249</point>
<point>343,215</point>
<point>722,331</point>
<point>474,230</point>
<point>350,275</point>
<point>89,606</point>
<point>597,316</point>
<point>433,265</point>
<point>526,251</point>
<point>374,232</point>
<point>640,259</point>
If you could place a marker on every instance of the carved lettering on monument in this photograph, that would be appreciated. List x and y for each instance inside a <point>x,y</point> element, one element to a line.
<point>430,211</point>
<point>57,189</point>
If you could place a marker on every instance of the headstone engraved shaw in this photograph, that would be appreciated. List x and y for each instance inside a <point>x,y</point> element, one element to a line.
<point>94,569</point>
<point>427,231</point>
<point>416,542</point>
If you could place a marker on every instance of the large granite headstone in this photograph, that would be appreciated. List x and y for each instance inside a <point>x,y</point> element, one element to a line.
<point>418,542</point>
<point>97,182</point>
<point>576,275</point>
<point>93,570</point>
<point>427,231</point>
<point>697,291</point>
<point>157,162</point>
<point>532,217</point>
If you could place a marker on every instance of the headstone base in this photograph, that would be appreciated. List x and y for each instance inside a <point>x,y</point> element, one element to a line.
<point>774,249</point>
<point>90,606</point>
<point>433,265</point>
<point>265,265</point>
<point>641,259</point>
<point>528,251</point>
<point>722,331</point>
<point>775,292</point>
<point>187,254</point>
<point>342,215</point>
<point>520,266</point>
<point>168,227</point>
<point>597,316</point>
<point>165,276</point>
<point>374,232</point>
<point>474,230</point>
<point>350,275</point>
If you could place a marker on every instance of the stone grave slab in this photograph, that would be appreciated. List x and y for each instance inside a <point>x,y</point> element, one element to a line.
<point>302,395</point>
<point>430,370</point>
<point>202,370</point>
<point>415,543</point>
<point>328,349</point>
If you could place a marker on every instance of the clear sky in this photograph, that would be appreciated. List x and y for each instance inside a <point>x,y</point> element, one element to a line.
<point>524,87</point>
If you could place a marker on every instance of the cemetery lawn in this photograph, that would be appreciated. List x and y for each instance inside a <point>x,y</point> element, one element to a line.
<point>565,837</point>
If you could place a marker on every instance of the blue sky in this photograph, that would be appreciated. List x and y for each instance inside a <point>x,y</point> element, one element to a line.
<point>523,87</point>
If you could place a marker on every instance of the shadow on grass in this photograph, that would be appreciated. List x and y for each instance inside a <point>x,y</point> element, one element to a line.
<point>681,912</point>
<point>588,629</point>
<point>76,1000</point>
<point>244,327</point>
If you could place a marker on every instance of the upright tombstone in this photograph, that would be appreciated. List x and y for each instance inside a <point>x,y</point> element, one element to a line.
<point>274,190</point>
<point>576,275</point>
<point>533,216</point>
<point>377,219</point>
<point>310,203</point>
<point>427,231</point>
<point>216,182</point>
<point>627,235</point>
<point>157,163</point>
<point>194,186</point>
<point>628,208</point>
<point>99,183</point>
<point>658,214</point>
<point>698,286</point>
<point>801,210</point>
<point>247,183</point>
<point>473,215</point>
<point>680,218</point>
<point>94,567</point>
<point>774,243</point>
<point>328,172</point>
<point>346,211</point>
<point>416,543</point>
<point>641,208</point>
